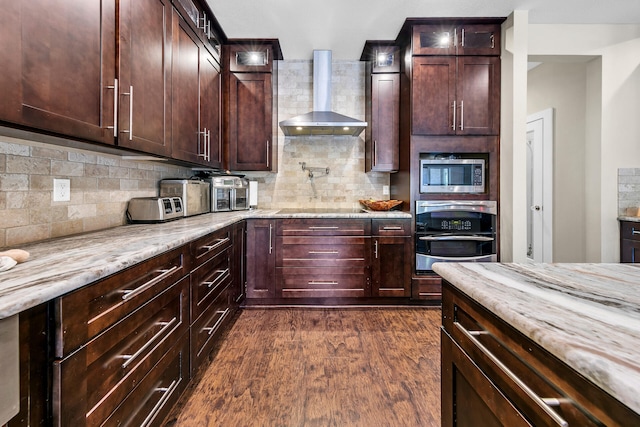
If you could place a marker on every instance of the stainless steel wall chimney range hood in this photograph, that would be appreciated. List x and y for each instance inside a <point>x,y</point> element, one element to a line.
<point>322,121</point>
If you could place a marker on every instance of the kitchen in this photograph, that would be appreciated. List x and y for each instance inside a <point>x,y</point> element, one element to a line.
<point>29,167</point>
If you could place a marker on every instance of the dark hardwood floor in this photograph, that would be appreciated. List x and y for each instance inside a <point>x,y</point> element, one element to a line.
<point>321,367</point>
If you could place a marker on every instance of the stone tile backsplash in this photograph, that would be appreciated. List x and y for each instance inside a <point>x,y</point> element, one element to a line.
<point>102,184</point>
<point>628,189</point>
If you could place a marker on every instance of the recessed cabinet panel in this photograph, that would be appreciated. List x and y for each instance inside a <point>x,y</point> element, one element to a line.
<point>434,94</point>
<point>382,143</point>
<point>247,58</point>
<point>58,67</point>
<point>456,39</point>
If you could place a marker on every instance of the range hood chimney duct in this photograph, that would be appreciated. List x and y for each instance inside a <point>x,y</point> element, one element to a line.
<point>322,121</point>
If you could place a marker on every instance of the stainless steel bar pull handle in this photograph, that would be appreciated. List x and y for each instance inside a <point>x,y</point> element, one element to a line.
<point>130,95</point>
<point>128,294</point>
<point>375,153</point>
<point>167,392</point>
<point>375,249</point>
<point>216,244</point>
<point>165,327</point>
<point>270,235</point>
<point>453,123</point>
<point>320,282</point>
<point>461,115</point>
<point>211,329</point>
<point>539,401</point>
<point>324,252</point>
<point>115,108</point>
<point>634,231</point>
<point>268,154</point>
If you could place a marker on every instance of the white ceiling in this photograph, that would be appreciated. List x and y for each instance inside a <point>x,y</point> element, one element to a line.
<point>343,26</point>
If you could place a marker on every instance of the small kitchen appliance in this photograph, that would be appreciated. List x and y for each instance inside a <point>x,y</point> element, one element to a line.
<point>154,209</point>
<point>195,194</point>
<point>452,175</point>
<point>229,193</point>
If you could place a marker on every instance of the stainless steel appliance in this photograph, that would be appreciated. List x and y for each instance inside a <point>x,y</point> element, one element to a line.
<point>154,209</point>
<point>229,193</point>
<point>454,231</point>
<point>195,194</point>
<point>452,175</point>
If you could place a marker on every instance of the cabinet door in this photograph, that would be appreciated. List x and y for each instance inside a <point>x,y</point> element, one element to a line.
<point>239,257</point>
<point>145,76</point>
<point>478,95</point>
<point>250,131</point>
<point>211,108</point>
<point>391,267</point>
<point>187,141</point>
<point>433,39</point>
<point>382,146</point>
<point>479,39</point>
<point>58,66</point>
<point>433,95</point>
<point>261,258</point>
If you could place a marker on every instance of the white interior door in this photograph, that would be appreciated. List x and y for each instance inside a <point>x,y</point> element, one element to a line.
<point>540,186</point>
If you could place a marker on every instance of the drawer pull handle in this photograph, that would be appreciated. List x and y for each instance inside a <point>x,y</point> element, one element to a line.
<point>319,282</point>
<point>323,252</point>
<point>392,228</point>
<point>130,358</point>
<point>221,275</point>
<point>215,245</point>
<point>166,394</point>
<point>128,294</point>
<point>539,401</point>
<point>212,329</point>
<point>316,227</point>
<point>634,231</point>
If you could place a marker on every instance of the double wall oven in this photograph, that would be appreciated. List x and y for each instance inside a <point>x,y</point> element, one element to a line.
<point>454,231</point>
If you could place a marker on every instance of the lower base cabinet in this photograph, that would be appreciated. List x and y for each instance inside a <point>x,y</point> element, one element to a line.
<point>495,376</point>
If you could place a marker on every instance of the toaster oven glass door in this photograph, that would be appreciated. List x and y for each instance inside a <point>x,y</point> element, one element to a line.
<point>221,199</point>
<point>240,199</point>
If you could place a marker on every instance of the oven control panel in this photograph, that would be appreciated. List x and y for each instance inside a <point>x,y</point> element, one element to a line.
<point>456,224</point>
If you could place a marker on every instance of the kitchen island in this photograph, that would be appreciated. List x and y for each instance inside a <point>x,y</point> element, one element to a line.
<point>557,342</point>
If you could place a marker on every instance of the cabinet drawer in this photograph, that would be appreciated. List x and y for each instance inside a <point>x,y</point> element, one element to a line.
<point>83,314</point>
<point>208,281</point>
<point>311,283</point>
<point>209,246</point>
<point>391,227</point>
<point>151,401</point>
<point>321,251</point>
<point>115,361</point>
<point>630,230</point>
<point>204,330</point>
<point>324,227</point>
<point>426,288</point>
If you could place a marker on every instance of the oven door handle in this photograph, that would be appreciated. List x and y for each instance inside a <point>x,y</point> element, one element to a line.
<point>456,237</point>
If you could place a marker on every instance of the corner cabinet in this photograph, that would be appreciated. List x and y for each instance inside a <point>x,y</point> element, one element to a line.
<point>250,131</point>
<point>382,89</point>
<point>494,373</point>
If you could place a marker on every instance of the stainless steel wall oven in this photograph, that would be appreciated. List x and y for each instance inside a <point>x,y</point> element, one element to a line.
<point>454,231</point>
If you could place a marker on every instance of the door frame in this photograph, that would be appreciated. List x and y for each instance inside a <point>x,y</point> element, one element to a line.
<point>547,117</point>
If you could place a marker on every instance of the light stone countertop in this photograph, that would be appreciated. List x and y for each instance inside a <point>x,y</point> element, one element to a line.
<point>629,218</point>
<point>587,315</point>
<point>62,265</point>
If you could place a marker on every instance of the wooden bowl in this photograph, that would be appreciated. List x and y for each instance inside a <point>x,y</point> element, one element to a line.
<point>380,205</point>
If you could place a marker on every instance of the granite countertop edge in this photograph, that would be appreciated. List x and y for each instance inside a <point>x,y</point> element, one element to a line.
<point>58,266</point>
<point>573,311</point>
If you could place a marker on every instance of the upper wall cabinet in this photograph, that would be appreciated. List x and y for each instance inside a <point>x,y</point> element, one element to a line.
<point>58,67</point>
<point>451,39</point>
<point>251,105</point>
<point>195,99</point>
<point>145,76</point>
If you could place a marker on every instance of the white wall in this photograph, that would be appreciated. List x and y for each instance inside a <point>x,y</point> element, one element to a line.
<point>563,87</point>
<point>612,137</point>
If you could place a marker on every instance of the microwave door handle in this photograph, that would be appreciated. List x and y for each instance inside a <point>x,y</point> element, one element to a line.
<point>456,237</point>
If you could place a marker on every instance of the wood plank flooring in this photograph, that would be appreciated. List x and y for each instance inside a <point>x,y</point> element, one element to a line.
<point>321,367</point>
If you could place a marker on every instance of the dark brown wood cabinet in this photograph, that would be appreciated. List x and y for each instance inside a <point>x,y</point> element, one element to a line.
<point>629,241</point>
<point>383,115</point>
<point>323,258</point>
<point>112,337</point>
<point>58,67</point>
<point>211,283</point>
<point>261,258</point>
<point>144,68</point>
<point>239,262</point>
<point>456,38</point>
<point>455,95</point>
<point>251,104</point>
<point>391,258</point>
<point>491,371</point>
<point>196,99</point>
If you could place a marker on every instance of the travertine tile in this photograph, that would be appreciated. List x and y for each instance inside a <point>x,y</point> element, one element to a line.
<point>66,228</point>
<point>28,165</point>
<point>30,233</point>
<point>82,211</point>
<point>68,169</point>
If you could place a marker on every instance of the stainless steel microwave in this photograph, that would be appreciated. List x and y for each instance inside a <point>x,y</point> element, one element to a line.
<point>452,176</point>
